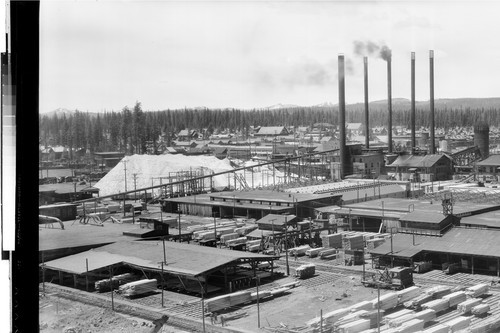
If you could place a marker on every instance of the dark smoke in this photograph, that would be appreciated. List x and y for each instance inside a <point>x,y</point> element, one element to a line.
<point>386,53</point>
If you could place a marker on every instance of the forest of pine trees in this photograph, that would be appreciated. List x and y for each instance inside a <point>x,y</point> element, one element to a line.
<point>130,129</point>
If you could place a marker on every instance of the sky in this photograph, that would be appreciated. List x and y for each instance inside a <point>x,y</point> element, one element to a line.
<point>105,55</point>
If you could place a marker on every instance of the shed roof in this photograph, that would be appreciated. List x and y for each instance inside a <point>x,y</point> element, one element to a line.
<point>276,219</point>
<point>272,130</point>
<point>477,242</point>
<point>493,160</point>
<point>415,161</point>
<point>424,216</point>
<point>182,259</point>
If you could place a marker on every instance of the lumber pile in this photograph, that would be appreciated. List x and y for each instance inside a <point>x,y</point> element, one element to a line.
<point>353,242</point>
<point>245,230</point>
<point>350,317</point>
<point>455,298</point>
<point>466,306</point>
<point>426,315</point>
<point>262,294</point>
<point>387,301</point>
<point>413,325</point>
<point>352,257</point>
<point>440,328</point>
<point>305,271</point>
<point>374,243</point>
<point>225,231</point>
<point>332,241</point>
<point>226,237</point>
<point>324,253</point>
<point>203,235</point>
<point>396,314</point>
<point>491,324</point>
<point>355,326</point>
<point>224,301</point>
<point>438,291</point>
<point>477,290</point>
<point>105,285</point>
<point>480,309</point>
<point>239,297</point>
<point>138,287</point>
<point>437,305</point>
<point>314,252</point>
<point>279,291</point>
<point>364,305</point>
<point>237,241</point>
<point>418,301</point>
<point>408,293</point>
<point>458,323</point>
<point>300,250</point>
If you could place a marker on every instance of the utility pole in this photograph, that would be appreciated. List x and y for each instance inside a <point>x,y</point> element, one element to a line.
<point>286,247</point>
<point>135,186</point>
<point>125,170</point>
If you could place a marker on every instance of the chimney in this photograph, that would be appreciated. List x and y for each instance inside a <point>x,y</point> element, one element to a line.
<point>389,105</point>
<point>342,140</point>
<point>412,114</point>
<point>367,127</point>
<point>431,101</point>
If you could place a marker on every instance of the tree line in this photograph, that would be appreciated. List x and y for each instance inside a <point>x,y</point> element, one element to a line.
<point>131,129</point>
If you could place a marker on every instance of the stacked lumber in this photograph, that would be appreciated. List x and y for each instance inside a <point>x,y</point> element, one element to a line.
<point>387,301</point>
<point>397,322</point>
<point>413,325</point>
<point>426,315</point>
<point>314,252</point>
<point>352,257</point>
<point>353,242</point>
<point>240,297</point>
<point>477,290</point>
<point>262,294</point>
<point>138,287</point>
<point>437,305</point>
<point>355,326</point>
<point>217,303</point>
<point>466,306</point>
<point>305,271</point>
<point>396,314</point>
<point>491,324</point>
<point>113,208</point>
<point>418,301</point>
<point>225,231</point>
<point>438,291</point>
<point>226,237</point>
<point>408,293</point>
<point>324,253</point>
<point>440,328</point>
<point>364,305</point>
<point>350,317</point>
<point>242,231</point>
<point>279,291</point>
<point>374,243</point>
<point>332,241</point>
<point>480,309</point>
<point>105,285</point>
<point>458,323</point>
<point>455,298</point>
<point>300,250</point>
<point>203,234</point>
<point>328,318</point>
<point>291,284</point>
<point>237,241</point>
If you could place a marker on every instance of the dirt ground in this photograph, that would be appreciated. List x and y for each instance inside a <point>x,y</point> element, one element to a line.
<point>58,315</point>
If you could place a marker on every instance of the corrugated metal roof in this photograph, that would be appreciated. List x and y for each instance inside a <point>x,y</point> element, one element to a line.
<point>476,242</point>
<point>278,220</point>
<point>272,130</point>
<point>183,259</point>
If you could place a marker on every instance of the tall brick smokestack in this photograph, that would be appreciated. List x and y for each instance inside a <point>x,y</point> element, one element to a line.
<point>342,140</point>
<point>412,114</point>
<point>431,101</point>
<point>367,127</point>
<point>386,54</point>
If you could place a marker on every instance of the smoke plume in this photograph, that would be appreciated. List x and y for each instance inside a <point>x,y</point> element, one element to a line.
<point>369,48</point>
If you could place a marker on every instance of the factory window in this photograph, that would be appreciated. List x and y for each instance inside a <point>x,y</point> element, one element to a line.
<point>372,164</point>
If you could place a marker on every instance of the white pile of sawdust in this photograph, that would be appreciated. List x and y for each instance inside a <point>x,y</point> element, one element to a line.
<point>148,169</point>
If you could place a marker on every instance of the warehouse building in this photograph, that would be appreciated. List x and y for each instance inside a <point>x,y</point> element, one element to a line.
<point>189,268</point>
<point>475,251</point>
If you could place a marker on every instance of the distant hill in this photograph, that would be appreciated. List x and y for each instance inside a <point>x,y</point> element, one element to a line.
<point>60,112</point>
